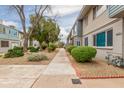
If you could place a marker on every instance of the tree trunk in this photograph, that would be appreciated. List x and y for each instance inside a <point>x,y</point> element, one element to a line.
<point>25,44</point>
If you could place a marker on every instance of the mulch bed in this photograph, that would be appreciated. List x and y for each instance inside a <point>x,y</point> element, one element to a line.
<point>24,61</point>
<point>97,69</point>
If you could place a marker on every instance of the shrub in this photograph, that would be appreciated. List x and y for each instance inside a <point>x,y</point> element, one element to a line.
<point>33,49</point>
<point>18,48</point>
<point>83,54</point>
<point>15,52</point>
<point>70,47</point>
<point>51,47</point>
<point>37,57</point>
<point>61,44</point>
<point>44,45</point>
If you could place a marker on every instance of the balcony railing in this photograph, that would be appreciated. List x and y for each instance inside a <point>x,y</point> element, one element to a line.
<point>115,10</point>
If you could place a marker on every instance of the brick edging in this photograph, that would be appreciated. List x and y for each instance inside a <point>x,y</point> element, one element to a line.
<point>103,77</point>
<point>78,73</point>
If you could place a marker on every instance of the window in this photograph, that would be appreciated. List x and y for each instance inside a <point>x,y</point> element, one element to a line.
<point>15,33</point>
<point>96,11</point>
<point>9,31</point>
<point>103,39</point>
<point>94,40</point>
<point>4,43</point>
<point>110,38</point>
<point>2,30</point>
<point>86,41</point>
<point>78,43</point>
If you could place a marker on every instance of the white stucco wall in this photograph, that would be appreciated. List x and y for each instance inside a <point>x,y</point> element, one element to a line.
<point>12,43</point>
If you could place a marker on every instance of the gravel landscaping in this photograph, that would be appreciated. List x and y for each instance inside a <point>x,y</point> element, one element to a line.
<point>24,61</point>
<point>96,69</point>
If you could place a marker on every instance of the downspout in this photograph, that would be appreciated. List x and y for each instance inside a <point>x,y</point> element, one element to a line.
<point>123,38</point>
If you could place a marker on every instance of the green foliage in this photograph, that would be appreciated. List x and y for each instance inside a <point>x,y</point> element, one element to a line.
<point>44,45</point>
<point>47,30</point>
<point>61,44</point>
<point>70,47</point>
<point>83,54</point>
<point>15,52</point>
<point>51,47</point>
<point>33,49</point>
<point>18,48</point>
<point>37,57</point>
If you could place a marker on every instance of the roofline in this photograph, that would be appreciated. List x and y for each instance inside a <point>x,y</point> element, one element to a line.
<point>82,13</point>
<point>10,27</point>
<point>84,10</point>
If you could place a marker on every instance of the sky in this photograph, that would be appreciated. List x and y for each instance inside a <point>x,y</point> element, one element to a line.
<point>66,16</point>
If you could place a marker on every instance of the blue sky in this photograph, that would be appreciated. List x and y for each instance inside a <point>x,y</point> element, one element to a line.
<point>66,16</point>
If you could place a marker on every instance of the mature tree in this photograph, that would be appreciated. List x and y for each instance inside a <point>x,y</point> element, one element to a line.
<point>47,30</point>
<point>39,11</point>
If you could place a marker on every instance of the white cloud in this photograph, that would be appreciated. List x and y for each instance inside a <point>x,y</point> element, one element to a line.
<point>64,31</point>
<point>63,10</point>
<point>8,23</point>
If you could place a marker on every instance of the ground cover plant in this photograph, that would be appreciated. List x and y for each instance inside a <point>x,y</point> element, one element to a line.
<point>15,52</point>
<point>37,57</point>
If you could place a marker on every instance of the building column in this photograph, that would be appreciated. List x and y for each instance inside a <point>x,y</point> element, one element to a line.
<point>123,38</point>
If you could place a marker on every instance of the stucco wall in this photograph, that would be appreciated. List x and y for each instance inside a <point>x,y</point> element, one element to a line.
<point>12,43</point>
<point>117,39</point>
<point>99,21</point>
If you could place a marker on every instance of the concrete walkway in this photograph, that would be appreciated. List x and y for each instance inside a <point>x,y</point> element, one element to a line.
<point>59,73</point>
<point>19,76</point>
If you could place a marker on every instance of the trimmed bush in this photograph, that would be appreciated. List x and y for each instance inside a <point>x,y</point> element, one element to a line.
<point>44,45</point>
<point>83,54</point>
<point>70,47</point>
<point>37,57</point>
<point>51,47</point>
<point>15,52</point>
<point>33,49</point>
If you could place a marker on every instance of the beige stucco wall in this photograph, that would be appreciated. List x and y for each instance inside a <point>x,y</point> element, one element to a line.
<point>117,40</point>
<point>103,23</point>
<point>99,21</point>
<point>75,39</point>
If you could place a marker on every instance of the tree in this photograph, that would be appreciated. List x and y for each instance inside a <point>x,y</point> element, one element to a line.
<point>39,10</point>
<point>47,30</point>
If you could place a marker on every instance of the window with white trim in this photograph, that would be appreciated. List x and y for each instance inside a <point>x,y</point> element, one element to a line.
<point>103,39</point>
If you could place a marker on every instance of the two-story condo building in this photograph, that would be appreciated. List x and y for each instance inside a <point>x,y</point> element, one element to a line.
<point>76,34</point>
<point>9,37</point>
<point>102,27</point>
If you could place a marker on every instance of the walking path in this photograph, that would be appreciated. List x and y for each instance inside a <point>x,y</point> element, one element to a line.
<point>59,73</point>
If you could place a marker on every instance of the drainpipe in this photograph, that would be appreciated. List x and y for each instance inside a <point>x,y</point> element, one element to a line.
<point>123,38</point>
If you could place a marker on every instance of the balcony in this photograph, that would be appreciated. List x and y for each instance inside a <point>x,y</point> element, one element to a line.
<point>116,11</point>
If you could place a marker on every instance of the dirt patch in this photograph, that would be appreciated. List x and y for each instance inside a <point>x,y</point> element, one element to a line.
<point>96,69</point>
<point>24,61</point>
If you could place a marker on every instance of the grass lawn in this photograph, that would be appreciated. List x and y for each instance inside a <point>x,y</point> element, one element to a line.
<point>96,69</point>
<point>24,61</point>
